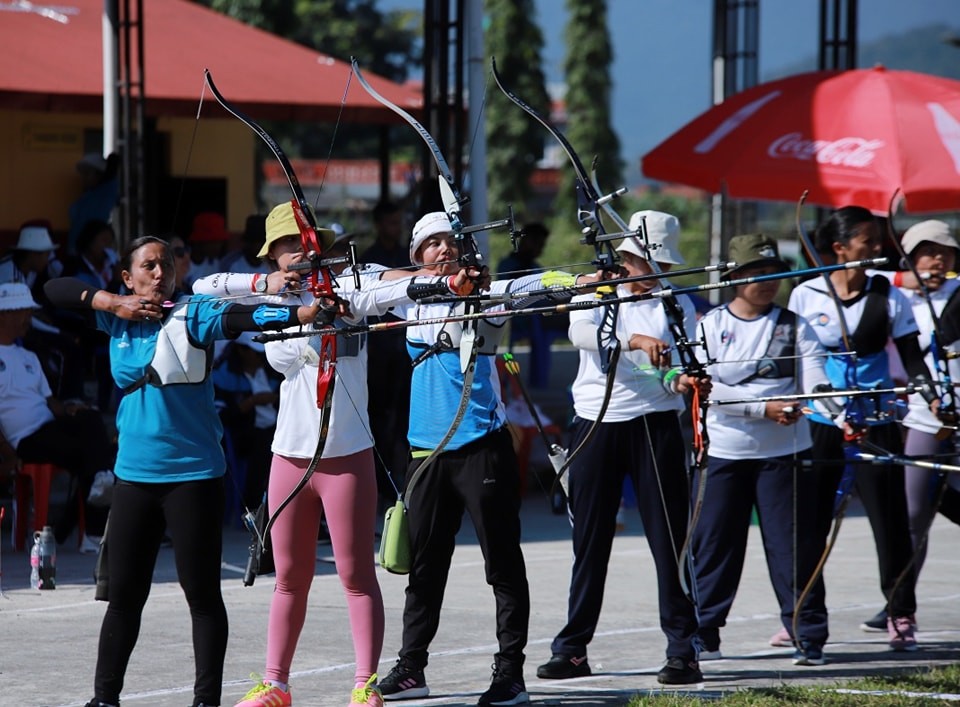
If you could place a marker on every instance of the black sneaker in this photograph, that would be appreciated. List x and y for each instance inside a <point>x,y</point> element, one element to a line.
<point>562,667</point>
<point>877,623</point>
<point>680,671</point>
<point>97,703</point>
<point>404,681</point>
<point>506,688</point>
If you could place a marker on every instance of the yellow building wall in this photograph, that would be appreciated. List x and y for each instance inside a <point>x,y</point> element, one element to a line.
<point>39,153</point>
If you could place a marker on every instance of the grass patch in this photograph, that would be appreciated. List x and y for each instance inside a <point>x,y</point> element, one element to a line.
<point>925,680</point>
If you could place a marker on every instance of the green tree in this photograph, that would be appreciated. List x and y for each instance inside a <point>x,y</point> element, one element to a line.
<point>587,68</point>
<point>383,43</point>
<point>514,140</point>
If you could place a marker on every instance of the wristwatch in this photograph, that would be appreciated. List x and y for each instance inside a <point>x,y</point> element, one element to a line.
<point>260,284</point>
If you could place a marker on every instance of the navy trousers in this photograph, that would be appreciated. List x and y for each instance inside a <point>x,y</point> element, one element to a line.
<point>650,450</point>
<point>784,502</point>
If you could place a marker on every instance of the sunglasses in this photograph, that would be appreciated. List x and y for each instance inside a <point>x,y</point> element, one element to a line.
<point>180,251</point>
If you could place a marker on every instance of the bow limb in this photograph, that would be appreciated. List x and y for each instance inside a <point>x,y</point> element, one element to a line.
<point>469,256</point>
<point>692,366</point>
<point>320,284</point>
<point>845,487</point>
<point>588,205</point>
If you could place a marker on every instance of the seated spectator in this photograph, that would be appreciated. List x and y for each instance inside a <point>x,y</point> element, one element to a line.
<point>247,393</point>
<point>101,190</point>
<point>181,262</point>
<point>96,263</point>
<point>208,239</point>
<point>37,427</point>
<point>51,336</point>
<point>247,259</point>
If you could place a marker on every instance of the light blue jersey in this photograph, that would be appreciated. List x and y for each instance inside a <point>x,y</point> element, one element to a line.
<point>436,391</point>
<point>169,433</point>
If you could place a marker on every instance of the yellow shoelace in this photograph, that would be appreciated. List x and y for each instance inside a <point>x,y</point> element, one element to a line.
<point>360,695</point>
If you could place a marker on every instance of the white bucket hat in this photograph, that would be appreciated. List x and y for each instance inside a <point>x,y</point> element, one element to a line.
<point>931,231</point>
<point>35,238</point>
<point>14,296</point>
<point>663,232</point>
<point>431,224</point>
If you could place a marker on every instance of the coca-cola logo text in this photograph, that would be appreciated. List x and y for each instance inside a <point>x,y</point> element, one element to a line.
<point>846,151</point>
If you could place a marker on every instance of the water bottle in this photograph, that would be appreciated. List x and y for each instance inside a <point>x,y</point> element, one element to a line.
<point>46,546</point>
<point>35,562</point>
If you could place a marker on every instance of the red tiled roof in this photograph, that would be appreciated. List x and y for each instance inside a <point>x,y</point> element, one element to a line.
<point>48,65</point>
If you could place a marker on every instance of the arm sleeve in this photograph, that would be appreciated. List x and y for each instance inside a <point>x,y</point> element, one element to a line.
<point>225,284</point>
<point>70,292</point>
<point>909,349</point>
<point>259,317</point>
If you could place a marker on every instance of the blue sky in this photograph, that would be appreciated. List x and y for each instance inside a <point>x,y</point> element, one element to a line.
<point>661,69</point>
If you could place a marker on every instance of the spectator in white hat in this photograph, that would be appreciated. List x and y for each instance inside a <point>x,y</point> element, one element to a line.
<point>35,426</point>
<point>29,263</point>
<point>30,256</point>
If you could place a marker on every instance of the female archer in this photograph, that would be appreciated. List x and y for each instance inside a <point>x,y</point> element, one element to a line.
<point>343,487</point>
<point>170,464</point>
<point>853,317</point>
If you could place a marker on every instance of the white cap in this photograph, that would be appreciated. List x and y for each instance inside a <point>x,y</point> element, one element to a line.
<point>663,232</point>
<point>16,295</point>
<point>432,224</point>
<point>246,339</point>
<point>928,231</point>
<point>35,238</point>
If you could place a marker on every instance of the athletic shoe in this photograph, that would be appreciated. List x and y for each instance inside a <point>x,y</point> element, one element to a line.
<point>263,694</point>
<point>405,680</point>
<point>97,703</point>
<point>781,639</point>
<point>809,654</point>
<point>506,687</point>
<point>90,544</point>
<point>368,695</point>
<point>680,671</point>
<point>562,667</point>
<point>876,624</point>
<point>710,655</point>
<point>901,631</point>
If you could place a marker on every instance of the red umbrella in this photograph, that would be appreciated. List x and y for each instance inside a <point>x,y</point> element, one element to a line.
<point>849,137</point>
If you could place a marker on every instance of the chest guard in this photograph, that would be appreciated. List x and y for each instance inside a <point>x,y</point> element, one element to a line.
<point>177,359</point>
<point>488,335</point>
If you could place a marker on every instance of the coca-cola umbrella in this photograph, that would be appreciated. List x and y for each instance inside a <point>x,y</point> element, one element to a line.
<point>846,137</point>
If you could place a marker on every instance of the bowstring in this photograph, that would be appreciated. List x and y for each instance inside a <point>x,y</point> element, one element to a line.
<point>333,139</point>
<point>186,166</point>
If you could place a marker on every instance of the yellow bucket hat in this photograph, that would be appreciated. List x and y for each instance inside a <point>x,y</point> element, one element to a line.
<point>281,223</point>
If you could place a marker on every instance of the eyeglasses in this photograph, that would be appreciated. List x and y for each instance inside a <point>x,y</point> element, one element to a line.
<point>180,251</point>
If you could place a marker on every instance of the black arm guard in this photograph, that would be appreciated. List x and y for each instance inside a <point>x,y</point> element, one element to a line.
<point>421,290</point>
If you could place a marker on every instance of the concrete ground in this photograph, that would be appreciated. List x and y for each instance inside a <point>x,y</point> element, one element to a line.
<point>50,638</point>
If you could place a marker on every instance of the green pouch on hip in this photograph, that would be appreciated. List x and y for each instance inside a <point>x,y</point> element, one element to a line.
<point>394,555</point>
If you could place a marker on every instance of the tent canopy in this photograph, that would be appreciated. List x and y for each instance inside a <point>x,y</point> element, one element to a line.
<point>52,62</point>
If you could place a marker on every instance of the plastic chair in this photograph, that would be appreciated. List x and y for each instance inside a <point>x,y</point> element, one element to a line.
<point>39,476</point>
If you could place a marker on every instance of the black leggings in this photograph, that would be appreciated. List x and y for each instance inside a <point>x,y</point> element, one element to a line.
<point>191,512</point>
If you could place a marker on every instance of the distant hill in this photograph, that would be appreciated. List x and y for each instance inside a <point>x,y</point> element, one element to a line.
<point>923,49</point>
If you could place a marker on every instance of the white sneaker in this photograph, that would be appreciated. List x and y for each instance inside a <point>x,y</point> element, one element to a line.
<point>90,545</point>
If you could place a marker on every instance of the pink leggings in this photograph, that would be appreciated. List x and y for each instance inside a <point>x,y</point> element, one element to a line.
<point>345,490</point>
